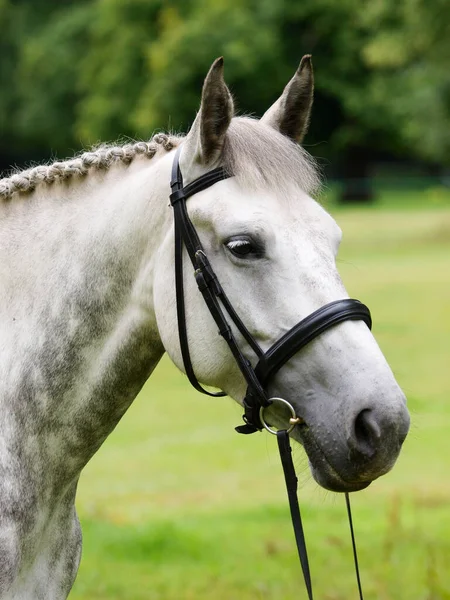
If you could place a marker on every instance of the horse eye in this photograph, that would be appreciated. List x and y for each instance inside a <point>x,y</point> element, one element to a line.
<point>243,248</point>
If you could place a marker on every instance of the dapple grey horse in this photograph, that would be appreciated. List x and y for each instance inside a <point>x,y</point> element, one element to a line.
<point>87,309</point>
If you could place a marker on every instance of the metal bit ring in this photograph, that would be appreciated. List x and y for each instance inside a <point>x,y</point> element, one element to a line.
<point>294,420</point>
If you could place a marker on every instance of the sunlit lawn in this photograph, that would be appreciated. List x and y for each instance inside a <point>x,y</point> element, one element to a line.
<point>177,506</point>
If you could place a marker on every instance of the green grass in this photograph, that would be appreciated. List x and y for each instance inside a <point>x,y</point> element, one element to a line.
<point>176,506</point>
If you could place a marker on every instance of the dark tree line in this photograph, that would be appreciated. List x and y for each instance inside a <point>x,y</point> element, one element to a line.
<point>74,72</point>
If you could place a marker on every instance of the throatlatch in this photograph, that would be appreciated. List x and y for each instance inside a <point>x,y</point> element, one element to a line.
<point>268,363</point>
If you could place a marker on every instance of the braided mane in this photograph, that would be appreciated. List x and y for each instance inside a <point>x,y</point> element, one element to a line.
<point>102,157</point>
<point>257,155</point>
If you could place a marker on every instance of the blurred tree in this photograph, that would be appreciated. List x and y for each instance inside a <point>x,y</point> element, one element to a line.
<point>39,51</point>
<point>9,50</point>
<point>78,71</point>
<point>243,31</point>
<point>386,65</point>
<point>113,70</point>
<point>47,79</point>
<point>408,53</point>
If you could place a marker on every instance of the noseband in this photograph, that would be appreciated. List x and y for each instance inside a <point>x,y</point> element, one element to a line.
<point>268,363</point>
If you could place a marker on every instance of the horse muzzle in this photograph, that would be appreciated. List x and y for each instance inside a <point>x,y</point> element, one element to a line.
<point>368,450</point>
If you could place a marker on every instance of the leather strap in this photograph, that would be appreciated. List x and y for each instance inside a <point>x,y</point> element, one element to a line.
<point>294,340</point>
<point>309,328</point>
<point>181,316</point>
<point>291,480</point>
<point>208,284</point>
<point>355,554</point>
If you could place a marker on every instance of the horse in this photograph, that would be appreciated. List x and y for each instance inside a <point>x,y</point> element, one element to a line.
<point>88,307</point>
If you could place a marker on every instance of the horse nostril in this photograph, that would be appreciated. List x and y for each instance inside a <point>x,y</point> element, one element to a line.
<point>367,433</point>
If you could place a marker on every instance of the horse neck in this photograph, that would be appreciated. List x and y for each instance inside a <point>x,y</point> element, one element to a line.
<point>76,303</point>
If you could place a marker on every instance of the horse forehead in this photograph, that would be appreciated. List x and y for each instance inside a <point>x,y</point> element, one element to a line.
<point>230,204</point>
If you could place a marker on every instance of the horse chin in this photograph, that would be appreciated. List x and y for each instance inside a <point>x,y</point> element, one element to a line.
<point>322,471</point>
<point>326,477</point>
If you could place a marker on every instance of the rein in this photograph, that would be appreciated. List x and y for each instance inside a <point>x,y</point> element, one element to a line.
<point>268,363</point>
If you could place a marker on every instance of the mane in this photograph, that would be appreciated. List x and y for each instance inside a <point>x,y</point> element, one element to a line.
<point>100,158</point>
<point>256,154</point>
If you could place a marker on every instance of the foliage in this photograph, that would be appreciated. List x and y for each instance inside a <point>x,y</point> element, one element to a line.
<point>113,72</point>
<point>76,72</point>
<point>47,75</point>
<point>408,52</point>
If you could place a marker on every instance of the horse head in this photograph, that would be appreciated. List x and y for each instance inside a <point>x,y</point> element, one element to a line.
<point>273,249</point>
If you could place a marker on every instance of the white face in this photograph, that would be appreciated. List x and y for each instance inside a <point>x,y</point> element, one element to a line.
<point>275,259</point>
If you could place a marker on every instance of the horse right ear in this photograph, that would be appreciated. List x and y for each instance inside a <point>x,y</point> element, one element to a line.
<point>290,113</point>
<point>205,140</point>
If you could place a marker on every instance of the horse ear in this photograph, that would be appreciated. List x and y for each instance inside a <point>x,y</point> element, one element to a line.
<point>290,113</point>
<point>207,135</point>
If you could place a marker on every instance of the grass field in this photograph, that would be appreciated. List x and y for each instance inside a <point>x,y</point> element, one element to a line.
<point>177,506</point>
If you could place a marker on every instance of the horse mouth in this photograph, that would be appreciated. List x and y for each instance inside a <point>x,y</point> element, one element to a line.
<point>321,469</point>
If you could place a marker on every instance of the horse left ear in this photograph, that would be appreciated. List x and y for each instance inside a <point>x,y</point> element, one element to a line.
<point>206,138</point>
<point>290,113</point>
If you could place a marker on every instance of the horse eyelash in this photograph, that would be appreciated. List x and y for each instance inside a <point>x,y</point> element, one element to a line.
<point>237,243</point>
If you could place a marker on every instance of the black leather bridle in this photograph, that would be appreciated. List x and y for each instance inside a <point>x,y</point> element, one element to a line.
<point>268,363</point>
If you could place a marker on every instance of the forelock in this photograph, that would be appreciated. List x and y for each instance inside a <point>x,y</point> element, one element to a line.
<point>262,158</point>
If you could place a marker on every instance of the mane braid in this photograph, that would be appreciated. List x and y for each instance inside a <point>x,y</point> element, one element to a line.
<point>102,157</point>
